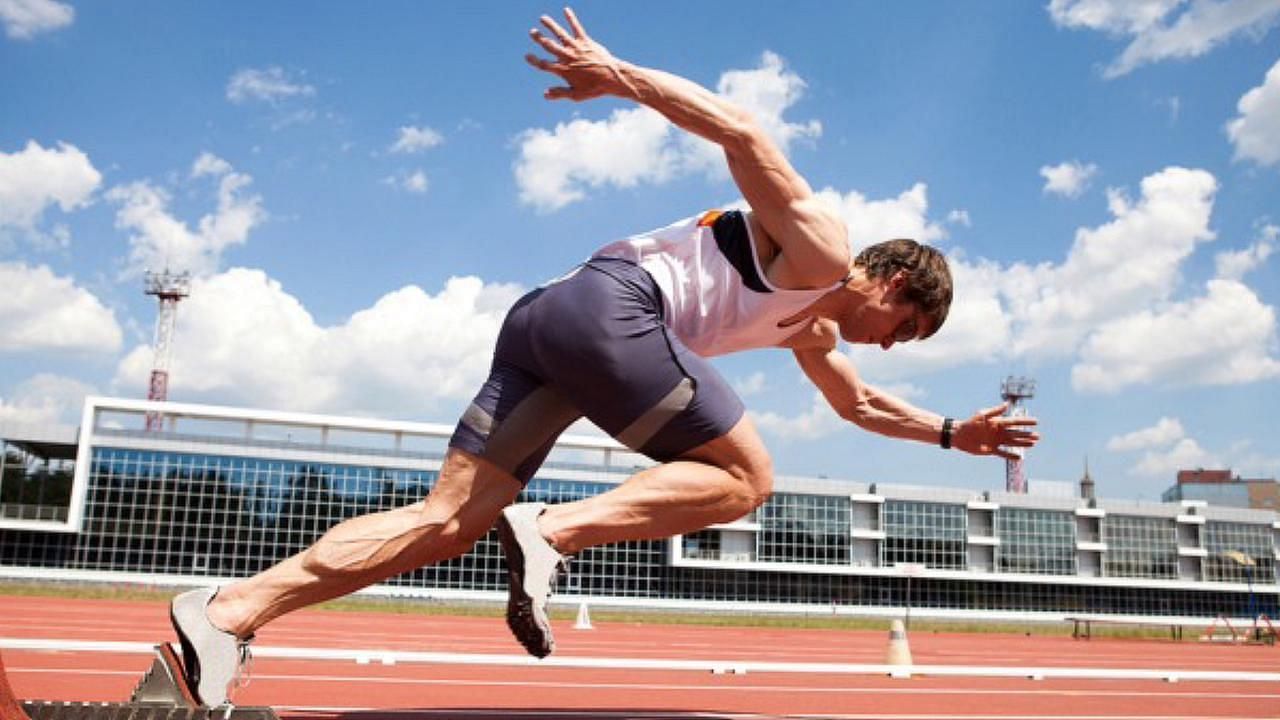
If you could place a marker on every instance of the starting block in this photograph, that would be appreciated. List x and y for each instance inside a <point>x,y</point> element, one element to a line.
<point>162,694</point>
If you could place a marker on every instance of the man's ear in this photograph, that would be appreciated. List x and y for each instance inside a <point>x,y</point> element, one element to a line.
<point>898,280</point>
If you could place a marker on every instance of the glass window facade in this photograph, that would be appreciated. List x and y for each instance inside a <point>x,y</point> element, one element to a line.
<point>804,528</point>
<point>702,545</point>
<point>1140,547</point>
<point>199,515</point>
<point>1238,553</point>
<point>175,513</point>
<point>32,487</point>
<point>1036,541</point>
<point>925,533</point>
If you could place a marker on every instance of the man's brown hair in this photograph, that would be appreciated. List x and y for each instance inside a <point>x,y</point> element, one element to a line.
<point>928,283</point>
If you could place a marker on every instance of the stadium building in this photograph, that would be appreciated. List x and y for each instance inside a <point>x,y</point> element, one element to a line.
<point>211,494</point>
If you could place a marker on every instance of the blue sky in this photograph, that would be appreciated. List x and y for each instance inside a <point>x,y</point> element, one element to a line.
<point>361,189</point>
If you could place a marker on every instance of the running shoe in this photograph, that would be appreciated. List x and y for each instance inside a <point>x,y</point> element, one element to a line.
<point>213,660</point>
<point>532,568</point>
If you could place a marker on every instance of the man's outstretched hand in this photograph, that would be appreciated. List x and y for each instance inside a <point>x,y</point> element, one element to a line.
<point>584,64</point>
<point>989,432</point>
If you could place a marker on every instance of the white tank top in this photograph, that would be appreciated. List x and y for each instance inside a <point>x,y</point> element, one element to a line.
<point>707,300</point>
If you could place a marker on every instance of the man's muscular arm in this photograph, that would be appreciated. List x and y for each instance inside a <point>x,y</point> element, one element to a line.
<point>986,432</point>
<point>812,239</point>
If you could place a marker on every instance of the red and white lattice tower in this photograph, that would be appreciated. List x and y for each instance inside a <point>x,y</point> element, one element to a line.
<point>1015,390</point>
<point>169,288</point>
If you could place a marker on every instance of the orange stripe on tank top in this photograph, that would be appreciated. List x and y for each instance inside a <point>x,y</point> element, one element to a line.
<point>709,218</point>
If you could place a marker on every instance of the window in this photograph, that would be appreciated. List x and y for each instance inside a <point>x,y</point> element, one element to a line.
<point>1144,547</point>
<point>1036,541</point>
<point>932,534</point>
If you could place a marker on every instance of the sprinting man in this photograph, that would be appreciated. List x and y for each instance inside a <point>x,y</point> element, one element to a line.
<point>623,340</point>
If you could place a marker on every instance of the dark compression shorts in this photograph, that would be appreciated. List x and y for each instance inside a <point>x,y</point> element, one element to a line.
<point>593,344</point>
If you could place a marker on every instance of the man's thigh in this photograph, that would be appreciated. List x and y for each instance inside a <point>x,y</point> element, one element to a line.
<point>741,451</point>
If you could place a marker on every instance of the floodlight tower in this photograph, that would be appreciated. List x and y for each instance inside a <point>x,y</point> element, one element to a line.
<point>1015,390</point>
<point>169,288</point>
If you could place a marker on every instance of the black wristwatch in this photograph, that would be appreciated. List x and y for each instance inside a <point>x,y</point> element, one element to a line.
<point>947,424</point>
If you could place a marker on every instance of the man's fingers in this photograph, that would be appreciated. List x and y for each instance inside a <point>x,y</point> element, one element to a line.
<point>555,29</point>
<point>540,63</point>
<point>573,22</point>
<point>547,43</point>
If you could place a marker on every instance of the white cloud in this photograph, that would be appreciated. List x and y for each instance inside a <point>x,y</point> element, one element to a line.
<point>1255,133</point>
<point>959,217</point>
<point>161,240</point>
<point>209,164</point>
<point>1250,463</point>
<point>1117,16</point>
<point>556,168</point>
<point>1068,179</point>
<point>1164,29</point>
<point>268,84</point>
<point>414,182</point>
<point>1165,432</point>
<point>1109,305</point>
<point>873,221</point>
<point>35,178</point>
<point>1235,265</point>
<point>816,422</point>
<point>753,384</point>
<point>416,139</point>
<point>1167,448</point>
<point>766,92</point>
<point>1184,455</point>
<point>45,399</point>
<point>637,145</point>
<point>1222,338</point>
<point>243,339</point>
<point>24,19</point>
<point>1114,269</point>
<point>40,311</point>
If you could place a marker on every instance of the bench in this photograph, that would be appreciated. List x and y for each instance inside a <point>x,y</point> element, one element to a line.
<point>1082,625</point>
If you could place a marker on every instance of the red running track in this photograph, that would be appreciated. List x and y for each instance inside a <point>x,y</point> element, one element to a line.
<point>322,690</point>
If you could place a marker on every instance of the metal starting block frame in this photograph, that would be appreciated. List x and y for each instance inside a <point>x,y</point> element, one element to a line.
<point>162,694</point>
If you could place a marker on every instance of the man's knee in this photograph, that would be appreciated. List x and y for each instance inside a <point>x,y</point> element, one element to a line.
<point>742,454</point>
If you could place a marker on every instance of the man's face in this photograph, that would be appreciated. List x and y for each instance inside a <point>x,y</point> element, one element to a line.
<point>885,319</point>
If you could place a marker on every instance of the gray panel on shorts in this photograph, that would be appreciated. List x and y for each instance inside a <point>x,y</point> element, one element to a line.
<point>539,417</point>
<point>647,425</point>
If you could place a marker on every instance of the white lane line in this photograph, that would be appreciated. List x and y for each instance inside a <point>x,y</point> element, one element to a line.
<point>714,665</point>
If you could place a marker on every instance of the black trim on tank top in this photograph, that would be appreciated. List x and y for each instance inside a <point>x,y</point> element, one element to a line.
<point>734,241</point>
